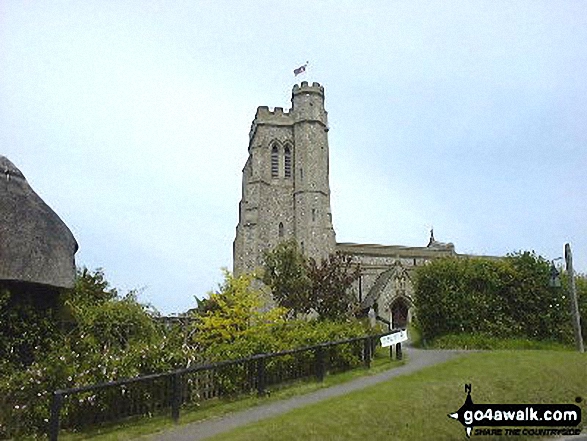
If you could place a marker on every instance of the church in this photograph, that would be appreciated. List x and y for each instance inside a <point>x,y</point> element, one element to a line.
<point>286,194</point>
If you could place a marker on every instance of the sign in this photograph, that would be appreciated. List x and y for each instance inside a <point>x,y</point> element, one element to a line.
<point>392,339</point>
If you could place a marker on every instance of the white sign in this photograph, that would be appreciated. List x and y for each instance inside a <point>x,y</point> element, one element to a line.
<point>392,339</point>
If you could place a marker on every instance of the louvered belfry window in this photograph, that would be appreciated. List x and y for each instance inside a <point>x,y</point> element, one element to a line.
<point>287,162</point>
<point>274,162</point>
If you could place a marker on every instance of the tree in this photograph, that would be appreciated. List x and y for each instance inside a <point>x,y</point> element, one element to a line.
<point>92,286</point>
<point>331,280</point>
<point>231,312</point>
<point>285,272</point>
<point>304,285</point>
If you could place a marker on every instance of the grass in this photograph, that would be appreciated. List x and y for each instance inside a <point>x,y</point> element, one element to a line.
<point>214,408</point>
<point>415,407</point>
<point>482,341</point>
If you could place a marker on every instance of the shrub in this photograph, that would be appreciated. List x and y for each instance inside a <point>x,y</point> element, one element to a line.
<point>505,298</point>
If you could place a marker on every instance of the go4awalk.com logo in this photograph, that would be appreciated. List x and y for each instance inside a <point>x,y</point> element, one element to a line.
<point>512,419</point>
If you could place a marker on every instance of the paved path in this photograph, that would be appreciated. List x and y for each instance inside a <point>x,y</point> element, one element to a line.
<point>200,430</point>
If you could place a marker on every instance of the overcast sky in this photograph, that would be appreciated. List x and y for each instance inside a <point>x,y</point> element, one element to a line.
<point>131,120</point>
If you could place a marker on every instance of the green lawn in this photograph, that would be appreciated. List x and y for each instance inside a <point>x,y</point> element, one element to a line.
<point>415,407</point>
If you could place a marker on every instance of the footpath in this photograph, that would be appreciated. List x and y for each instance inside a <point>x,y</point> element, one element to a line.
<point>201,430</point>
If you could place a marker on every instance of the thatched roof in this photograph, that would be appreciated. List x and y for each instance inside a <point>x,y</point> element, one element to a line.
<point>35,245</point>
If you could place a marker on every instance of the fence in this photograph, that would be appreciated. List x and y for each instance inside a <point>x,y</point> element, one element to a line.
<point>82,407</point>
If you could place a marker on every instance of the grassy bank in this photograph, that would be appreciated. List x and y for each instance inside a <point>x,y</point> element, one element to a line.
<point>483,341</point>
<point>415,407</point>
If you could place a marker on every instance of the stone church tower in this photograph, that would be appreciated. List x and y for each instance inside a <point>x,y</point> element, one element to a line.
<point>286,194</point>
<point>285,190</point>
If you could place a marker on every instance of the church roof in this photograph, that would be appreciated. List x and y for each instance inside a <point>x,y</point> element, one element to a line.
<point>35,244</point>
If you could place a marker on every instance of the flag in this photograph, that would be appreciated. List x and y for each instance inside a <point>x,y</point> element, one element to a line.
<point>300,69</point>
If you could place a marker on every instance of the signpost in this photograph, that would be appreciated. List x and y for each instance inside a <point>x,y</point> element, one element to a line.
<point>392,339</point>
<point>575,314</point>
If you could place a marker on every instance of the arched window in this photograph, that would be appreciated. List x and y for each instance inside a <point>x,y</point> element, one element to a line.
<point>287,162</point>
<point>280,229</point>
<point>274,162</point>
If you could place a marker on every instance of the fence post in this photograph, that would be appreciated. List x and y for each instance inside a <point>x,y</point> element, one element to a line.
<point>320,363</point>
<point>56,404</point>
<point>176,396</point>
<point>367,351</point>
<point>398,351</point>
<point>261,376</point>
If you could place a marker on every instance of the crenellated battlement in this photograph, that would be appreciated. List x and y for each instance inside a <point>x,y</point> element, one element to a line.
<point>307,105</point>
<point>264,113</point>
<point>266,116</point>
<point>306,88</point>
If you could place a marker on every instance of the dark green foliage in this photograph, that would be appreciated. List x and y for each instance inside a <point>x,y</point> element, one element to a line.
<point>303,285</point>
<point>506,298</point>
<point>93,335</point>
<point>282,336</point>
<point>331,280</point>
<point>28,317</point>
<point>92,287</point>
<point>286,273</point>
<point>86,336</point>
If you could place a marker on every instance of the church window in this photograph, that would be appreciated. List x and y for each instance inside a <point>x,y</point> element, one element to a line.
<point>302,246</point>
<point>287,162</point>
<point>274,162</point>
<point>313,215</point>
<point>301,174</point>
<point>280,229</point>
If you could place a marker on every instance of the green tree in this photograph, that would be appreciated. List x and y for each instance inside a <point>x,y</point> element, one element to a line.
<point>231,312</point>
<point>331,280</point>
<point>285,272</point>
<point>303,285</point>
<point>92,287</point>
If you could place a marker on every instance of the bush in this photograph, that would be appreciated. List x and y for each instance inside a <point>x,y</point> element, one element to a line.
<point>104,337</point>
<point>108,337</point>
<point>505,298</point>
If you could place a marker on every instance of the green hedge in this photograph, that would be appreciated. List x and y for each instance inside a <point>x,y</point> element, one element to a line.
<point>503,298</point>
<point>107,337</point>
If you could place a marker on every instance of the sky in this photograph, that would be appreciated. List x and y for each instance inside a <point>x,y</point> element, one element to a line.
<point>131,120</point>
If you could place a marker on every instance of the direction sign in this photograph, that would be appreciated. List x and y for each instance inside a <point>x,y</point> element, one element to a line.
<point>392,339</point>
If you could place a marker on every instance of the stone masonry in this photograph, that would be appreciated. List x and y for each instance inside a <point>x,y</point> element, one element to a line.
<point>286,194</point>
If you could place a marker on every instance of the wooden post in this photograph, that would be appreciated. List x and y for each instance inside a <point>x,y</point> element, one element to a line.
<point>367,351</point>
<point>320,360</point>
<point>261,376</point>
<point>176,396</point>
<point>398,351</point>
<point>575,314</point>
<point>56,404</point>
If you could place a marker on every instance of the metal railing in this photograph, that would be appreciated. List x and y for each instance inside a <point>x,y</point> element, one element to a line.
<point>149,395</point>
